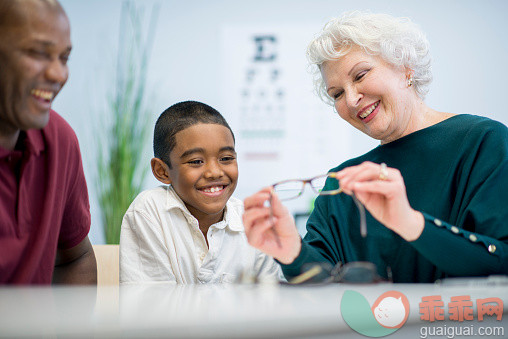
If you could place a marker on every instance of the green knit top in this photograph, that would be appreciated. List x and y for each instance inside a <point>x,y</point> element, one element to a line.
<point>456,174</point>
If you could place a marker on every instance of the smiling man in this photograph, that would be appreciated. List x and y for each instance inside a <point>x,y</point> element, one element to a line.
<point>44,208</point>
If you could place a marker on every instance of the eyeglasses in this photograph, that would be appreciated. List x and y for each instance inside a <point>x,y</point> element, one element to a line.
<point>293,188</point>
<point>355,272</point>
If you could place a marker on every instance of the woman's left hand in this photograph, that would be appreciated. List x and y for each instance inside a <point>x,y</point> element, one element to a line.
<point>382,191</point>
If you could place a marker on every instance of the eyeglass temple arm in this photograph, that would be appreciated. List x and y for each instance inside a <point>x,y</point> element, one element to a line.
<point>332,175</point>
<point>361,211</point>
<point>277,239</point>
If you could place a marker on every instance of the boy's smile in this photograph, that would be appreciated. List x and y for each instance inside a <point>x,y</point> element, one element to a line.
<point>204,170</point>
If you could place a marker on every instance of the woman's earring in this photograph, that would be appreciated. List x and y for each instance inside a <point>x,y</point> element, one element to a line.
<point>410,81</point>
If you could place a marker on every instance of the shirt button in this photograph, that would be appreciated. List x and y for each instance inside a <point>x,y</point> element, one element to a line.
<point>454,229</point>
<point>438,222</point>
<point>473,238</point>
<point>202,256</point>
<point>492,248</point>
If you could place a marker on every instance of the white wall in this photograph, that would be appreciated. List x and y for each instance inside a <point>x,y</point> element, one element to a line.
<point>469,44</point>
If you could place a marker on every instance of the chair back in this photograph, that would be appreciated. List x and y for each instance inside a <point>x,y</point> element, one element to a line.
<point>108,264</point>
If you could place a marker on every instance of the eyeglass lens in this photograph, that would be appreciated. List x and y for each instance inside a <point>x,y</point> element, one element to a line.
<point>291,189</point>
<point>318,183</point>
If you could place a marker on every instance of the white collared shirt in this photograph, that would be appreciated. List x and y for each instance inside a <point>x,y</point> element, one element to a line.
<point>160,240</point>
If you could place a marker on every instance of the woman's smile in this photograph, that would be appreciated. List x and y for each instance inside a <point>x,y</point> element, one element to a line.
<point>368,113</point>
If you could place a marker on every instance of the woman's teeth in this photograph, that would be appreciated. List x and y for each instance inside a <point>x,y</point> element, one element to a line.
<point>369,110</point>
<point>213,189</point>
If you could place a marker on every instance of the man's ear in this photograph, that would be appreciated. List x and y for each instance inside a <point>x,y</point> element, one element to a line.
<point>160,171</point>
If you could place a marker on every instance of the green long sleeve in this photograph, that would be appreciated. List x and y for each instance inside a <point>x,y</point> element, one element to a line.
<point>456,174</point>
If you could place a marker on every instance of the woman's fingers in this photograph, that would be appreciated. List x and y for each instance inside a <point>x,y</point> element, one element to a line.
<point>379,187</point>
<point>271,229</point>
<point>365,172</point>
<point>258,199</point>
<point>252,215</point>
<point>278,208</point>
<point>261,232</point>
<point>382,191</point>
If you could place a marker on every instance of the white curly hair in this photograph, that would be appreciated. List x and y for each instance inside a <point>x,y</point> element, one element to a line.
<point>397,40</point>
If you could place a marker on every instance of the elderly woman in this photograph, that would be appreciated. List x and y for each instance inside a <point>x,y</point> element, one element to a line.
<point>437,209</point>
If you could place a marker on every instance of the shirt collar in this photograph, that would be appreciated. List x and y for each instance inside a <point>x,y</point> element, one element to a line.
<point>231,219</point>
<point>34,141</point>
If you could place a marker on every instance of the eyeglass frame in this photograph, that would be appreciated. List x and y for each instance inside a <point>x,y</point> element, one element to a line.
<point>341,273</point>
<point>359,205</point>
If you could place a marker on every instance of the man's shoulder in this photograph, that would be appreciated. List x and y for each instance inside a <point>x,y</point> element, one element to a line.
<point>58,129</point>
<point>57,121</point>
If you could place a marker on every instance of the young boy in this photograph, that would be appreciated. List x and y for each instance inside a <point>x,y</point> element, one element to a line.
<point>190,230</point>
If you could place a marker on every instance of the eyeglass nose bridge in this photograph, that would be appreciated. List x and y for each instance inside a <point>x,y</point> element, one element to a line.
<point>301,183</point>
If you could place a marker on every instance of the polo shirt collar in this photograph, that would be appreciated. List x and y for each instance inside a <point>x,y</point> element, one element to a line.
<point>34,141</point>
<point>231,218</point>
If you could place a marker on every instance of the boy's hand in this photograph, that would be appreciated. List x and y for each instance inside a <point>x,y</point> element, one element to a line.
<point>275,235</point>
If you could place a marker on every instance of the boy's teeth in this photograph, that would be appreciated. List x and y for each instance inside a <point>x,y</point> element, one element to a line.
<point>46,95</point>
<point>213,189</point>
<point>367,112</point>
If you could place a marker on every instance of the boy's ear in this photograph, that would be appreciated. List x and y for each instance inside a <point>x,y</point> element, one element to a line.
<point>160,171</point>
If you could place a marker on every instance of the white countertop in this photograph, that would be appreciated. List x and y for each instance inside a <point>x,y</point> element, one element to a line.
<point>199,311</point>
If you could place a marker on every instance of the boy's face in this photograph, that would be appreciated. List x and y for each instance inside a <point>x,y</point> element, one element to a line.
<point>204,170</point>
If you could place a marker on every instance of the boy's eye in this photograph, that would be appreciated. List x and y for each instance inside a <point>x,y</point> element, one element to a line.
<point>65,58</point>
<point>195,162</point>
<point>227,158</point>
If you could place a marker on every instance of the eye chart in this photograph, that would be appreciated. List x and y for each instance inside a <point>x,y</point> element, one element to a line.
<point>282,129</point>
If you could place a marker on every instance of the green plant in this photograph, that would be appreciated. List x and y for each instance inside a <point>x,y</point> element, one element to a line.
<point>120,168</point>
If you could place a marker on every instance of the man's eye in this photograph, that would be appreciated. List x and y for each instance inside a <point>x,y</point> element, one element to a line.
<point>195,162</point>
<point>38,53</point>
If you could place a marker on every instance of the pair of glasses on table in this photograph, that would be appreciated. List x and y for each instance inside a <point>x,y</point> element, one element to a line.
<point>355,272</point>
<point>294,188</point>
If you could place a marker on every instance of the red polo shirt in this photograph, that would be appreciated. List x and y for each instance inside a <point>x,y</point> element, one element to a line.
<point>43,202</point>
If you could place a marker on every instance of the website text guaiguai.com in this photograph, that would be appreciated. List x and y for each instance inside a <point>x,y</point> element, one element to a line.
<point>461,331</point>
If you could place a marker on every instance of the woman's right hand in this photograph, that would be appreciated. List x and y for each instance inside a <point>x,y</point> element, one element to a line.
<point>275,235</point>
